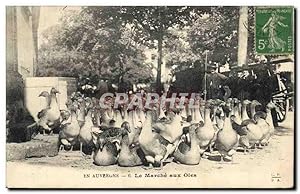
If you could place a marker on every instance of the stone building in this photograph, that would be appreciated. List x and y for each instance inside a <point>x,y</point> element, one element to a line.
<point>21,39</point>
<point>21,60</point>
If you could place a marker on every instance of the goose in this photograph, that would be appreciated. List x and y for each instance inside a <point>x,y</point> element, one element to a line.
<point>85,134</point>
<point>135,126</point>
<point>244,110</point>
<point>170,131</point>
<point>40,114</point>
<point>206,133</point>
<point>260,120</point>
<point>46,95</point>
<point>106,120</point>
<point>50,116</point>
<point>141,116</point>
<point>265,121</point>
<point>227,138</point>
<point>220,116</point>
<point>183,112</point>
<point>197,117</point>
<point>187,151</point>
<point>251,129</point>
<point>253,106</point>
<point>106,151</point>
<point>216,124</point>
<point>118,118</point>
<point>269,120</point>
<point>236,105</point>
<point>151,143</point>
<point>70,128</point>
<point>128,155</point>
<point>97,112</point>
<point>81,112</point>
<point>107,144</point>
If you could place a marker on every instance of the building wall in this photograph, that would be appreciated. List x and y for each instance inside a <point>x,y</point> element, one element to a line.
<point>21,46</point>
<point>11,39</point>
<point>25,43</point>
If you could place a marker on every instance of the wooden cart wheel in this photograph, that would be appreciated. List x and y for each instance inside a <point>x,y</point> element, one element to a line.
<point>282,107</point>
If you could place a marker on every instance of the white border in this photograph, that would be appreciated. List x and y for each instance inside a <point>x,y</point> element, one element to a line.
<point>107,3</point>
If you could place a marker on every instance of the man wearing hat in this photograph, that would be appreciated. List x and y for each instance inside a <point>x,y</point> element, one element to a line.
<point>214,81</point>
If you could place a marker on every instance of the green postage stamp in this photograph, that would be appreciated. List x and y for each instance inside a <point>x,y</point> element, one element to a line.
<point>274,30</point>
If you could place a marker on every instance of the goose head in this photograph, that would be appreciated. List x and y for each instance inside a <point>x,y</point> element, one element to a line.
<point>227,109</point>
<point>54,91</point>
<point>209,104</point>
<point>73,107</point>
<point>260,115</point>
<point>255,103</point>
<point>65,115</point>
<point>81,103</point>
<point>88,102</point>
<point>69,102</point>
<point>125,125</point>
<point>236,101</point>
<point>246,102</point>
<point>271,105</point>
<point>101,142</point>
<point>44,94</point>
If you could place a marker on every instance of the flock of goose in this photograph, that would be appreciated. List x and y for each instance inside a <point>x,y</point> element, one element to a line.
<point>153,136</point>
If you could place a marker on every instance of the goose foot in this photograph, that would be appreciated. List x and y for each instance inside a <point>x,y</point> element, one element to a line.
<point>259,146</point>
<point>169,160</point>
<point>222,160</point>
<point>44,132</point>
<point>160,167</point>
<point>62,148</point>
<point>170,149</point>
<point>86,156</point>
<point>228,158</point>
<point>204,155</point>
<point>158,164</point>
<point>150,166</point>
<point>51,133</point>
<point>211,149</point>
<point>246,150</point>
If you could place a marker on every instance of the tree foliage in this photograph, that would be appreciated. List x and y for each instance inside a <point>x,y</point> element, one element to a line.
<point>109,42</point>
<point>85,45</point>
<point>216,32</point>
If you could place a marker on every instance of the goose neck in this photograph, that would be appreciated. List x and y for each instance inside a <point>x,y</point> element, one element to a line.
<point>207,114</point>
<point>252,110</point>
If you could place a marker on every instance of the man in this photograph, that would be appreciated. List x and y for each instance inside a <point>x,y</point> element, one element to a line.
<point>214,81</point>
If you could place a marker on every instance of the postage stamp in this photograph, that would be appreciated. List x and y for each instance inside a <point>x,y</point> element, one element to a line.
<point>274,30</point>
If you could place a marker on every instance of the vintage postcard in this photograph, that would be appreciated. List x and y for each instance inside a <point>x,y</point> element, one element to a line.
<point>150,97</point>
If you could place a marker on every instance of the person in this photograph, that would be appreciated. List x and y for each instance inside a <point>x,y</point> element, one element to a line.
<point>102,88</point>
<point>214,81</point>
<point>271,27</point>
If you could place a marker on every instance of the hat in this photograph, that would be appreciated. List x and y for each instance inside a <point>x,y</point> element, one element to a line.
<point>236,68</point>
<point>211,66</point>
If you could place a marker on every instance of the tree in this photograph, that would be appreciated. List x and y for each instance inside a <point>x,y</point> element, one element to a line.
<point>151,23</point>
<point>216,31</point>
<point>84,44</point>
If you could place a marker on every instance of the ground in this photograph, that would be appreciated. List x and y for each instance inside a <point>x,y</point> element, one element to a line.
<point>271,167</point>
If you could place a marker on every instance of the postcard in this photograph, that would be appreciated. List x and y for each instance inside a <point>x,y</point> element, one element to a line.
<point>150,97</point>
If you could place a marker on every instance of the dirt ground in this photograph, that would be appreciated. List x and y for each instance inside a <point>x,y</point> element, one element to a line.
<point>271,167</point>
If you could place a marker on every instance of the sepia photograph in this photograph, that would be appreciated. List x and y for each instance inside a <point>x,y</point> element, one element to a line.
<point>150,97</point>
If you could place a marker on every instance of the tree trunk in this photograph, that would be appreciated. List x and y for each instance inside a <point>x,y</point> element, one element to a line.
<point>243,36</point>
<point>159,62</point>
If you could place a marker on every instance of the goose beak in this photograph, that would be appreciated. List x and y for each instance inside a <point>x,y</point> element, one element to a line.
<point>188,138</point>
<point>128,129</point>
